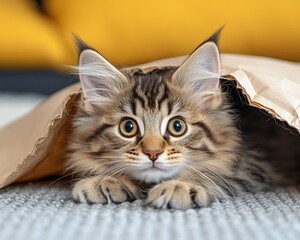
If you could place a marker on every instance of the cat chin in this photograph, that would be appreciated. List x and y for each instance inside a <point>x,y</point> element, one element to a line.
<point>154,175</point>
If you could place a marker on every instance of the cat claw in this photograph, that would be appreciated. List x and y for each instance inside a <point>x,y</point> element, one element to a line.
<point>177,194</point>
<point>104,190</point>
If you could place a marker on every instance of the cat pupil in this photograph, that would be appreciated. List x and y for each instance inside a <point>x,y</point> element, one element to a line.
<point>177,126</point>
<point>128,126</point>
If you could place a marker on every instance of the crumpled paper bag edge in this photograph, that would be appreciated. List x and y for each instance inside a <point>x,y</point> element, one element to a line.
<point>21,169</point>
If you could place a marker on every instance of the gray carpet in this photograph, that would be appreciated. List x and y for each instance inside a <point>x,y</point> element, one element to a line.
<point>45,211</point>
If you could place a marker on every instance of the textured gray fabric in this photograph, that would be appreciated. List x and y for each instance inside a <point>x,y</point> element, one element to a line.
<point>44,211</point>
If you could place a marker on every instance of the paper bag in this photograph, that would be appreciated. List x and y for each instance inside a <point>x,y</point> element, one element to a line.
<point>35,145</point>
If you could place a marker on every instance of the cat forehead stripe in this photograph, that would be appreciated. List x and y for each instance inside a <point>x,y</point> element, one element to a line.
<point>206,130</point>
<point>150,89</point>
<point>98,131</point>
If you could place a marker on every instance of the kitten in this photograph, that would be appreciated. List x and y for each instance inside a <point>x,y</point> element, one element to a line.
<point>167,135</point>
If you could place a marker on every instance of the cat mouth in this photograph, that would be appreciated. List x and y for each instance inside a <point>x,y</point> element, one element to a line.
<point>155,168</point>
<point>153,173</point>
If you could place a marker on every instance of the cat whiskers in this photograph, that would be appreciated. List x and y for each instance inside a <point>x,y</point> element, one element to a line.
<point>60,178</point>
<point>218,176</point>
<point>202,175</point>
<point>116,169</point>
<point>113,173</point>
<point>65,176</point>
<point>181,174</point>
<point>110,157</point>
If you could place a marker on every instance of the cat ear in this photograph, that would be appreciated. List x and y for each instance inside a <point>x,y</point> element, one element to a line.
<point>201,71</point>
<point>100,80</point>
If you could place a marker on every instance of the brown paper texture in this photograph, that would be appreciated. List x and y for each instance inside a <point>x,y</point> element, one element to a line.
<point>34,146</point>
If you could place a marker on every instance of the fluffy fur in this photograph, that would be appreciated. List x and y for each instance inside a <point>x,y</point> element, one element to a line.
<point>208,162</point>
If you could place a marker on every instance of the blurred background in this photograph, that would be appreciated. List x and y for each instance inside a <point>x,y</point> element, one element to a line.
<point>37,42</point>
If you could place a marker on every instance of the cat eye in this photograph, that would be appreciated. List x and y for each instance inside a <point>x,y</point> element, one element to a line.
<point>128,127</point>
<point>177,127</point>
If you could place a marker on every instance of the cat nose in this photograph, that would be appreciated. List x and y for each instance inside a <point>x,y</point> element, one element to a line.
<point>153,155</point>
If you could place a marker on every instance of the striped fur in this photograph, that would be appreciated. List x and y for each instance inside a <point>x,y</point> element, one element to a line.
<point>209,162</point>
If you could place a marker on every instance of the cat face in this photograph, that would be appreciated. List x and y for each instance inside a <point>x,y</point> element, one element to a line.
<point>152,125</point>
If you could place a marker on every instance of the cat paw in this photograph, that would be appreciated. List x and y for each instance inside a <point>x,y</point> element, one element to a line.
<point>178,195</point>
<point>105,190</point>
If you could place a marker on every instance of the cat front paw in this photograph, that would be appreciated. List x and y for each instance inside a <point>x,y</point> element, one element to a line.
<point>178,195</point>
<point>105,190</point>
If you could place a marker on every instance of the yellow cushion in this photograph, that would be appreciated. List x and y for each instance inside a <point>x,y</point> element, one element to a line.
<point>133,31</point>
<point>29,38</point>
